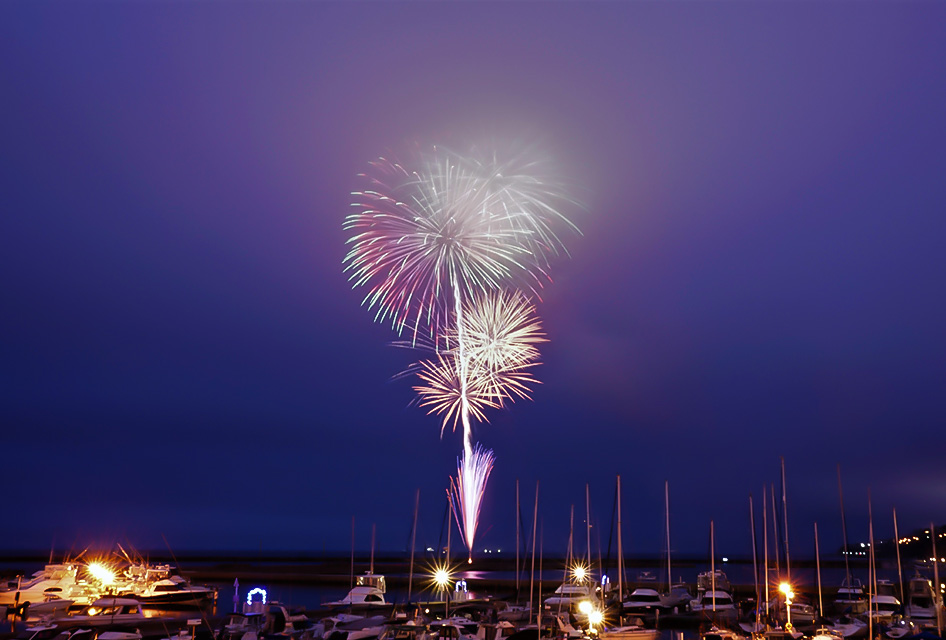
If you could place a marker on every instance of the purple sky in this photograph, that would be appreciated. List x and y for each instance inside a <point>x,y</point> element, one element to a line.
<point>760,275</point>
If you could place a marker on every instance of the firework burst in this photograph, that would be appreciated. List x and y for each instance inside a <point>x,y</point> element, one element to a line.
<point>436,245</point>
<point>501,333</point>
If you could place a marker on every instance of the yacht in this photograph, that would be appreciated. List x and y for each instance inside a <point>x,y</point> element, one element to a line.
<point>643,601</point>
<point>172,590</point>
<point>850,597</point>
<point>53,576</point>
<point>570,594</point>
<point>367,594</point>
<point>921,601</point>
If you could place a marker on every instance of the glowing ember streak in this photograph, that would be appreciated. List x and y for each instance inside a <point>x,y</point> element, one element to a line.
<point>473,471</point>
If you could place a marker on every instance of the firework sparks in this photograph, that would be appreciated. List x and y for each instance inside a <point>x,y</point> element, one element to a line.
<point>436,246</point>
<point>501,332</point>
<point>473,471</point>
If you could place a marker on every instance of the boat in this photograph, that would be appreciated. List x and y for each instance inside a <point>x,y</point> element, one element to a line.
<point>156,584</point>
<point>678,599</point>
<point>367,594</point>
<point>883,609</point>
<point>848,627</point>
<point>107,611</point>
<point>850,597</point>
<point>569,594</point>
<point>242,626</point>
<point>643,601</point>
<point>17,593</point>
<point>717,633</point>
<point>717,605</point>
<point>921,601</point>
<point>629,632</point>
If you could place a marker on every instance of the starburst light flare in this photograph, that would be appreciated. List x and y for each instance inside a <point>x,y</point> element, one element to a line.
<point>466,493</point>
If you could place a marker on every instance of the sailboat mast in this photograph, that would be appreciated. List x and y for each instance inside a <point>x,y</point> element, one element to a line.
<point>755,559</point>
<point>765,551</point>
<point>872,570</point>
<point>713,564</point>
<point>896,537</point>
<point>517,538</point>
<point>788,568</point>
<point>588,523</point>
<point>374,529</point>
<point>535,520</point>
<point>620,548</point>
<point>775,536</point>
<point>937,590</point>
<point>847,562</point>
<point>818,569</point>
<point>667,512</point>
<point>410,577</point>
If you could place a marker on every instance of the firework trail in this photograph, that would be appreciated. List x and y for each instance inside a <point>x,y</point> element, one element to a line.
<point>431,244</point>
<point>467,492</point>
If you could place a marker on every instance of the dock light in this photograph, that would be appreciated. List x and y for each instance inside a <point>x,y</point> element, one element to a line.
<point>786,589</point>
<point>101,573</point>
<point>585,607</point>
<point>579,573</point>
<point>595,617</point>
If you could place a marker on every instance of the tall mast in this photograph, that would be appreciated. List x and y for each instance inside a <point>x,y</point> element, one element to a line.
<point>535,519</point>
<point>896,536</point>
<point>872,570</point>
<point>775,536</point>
<point>788,568</point>
<point>410,577</point>
<point>588,523</point>
<point>847,562</point>
<point>755,560</point>
<point>620,548</point>
<point>374,530</point>
<point>517,538</point>
<point>818,569</point>
<point>713,564</point>
<point>937,593</point>
<point>667,512</point>
<point>765,552</point>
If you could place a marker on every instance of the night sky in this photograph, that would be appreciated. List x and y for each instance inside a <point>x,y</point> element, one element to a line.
<point>761,270</point>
